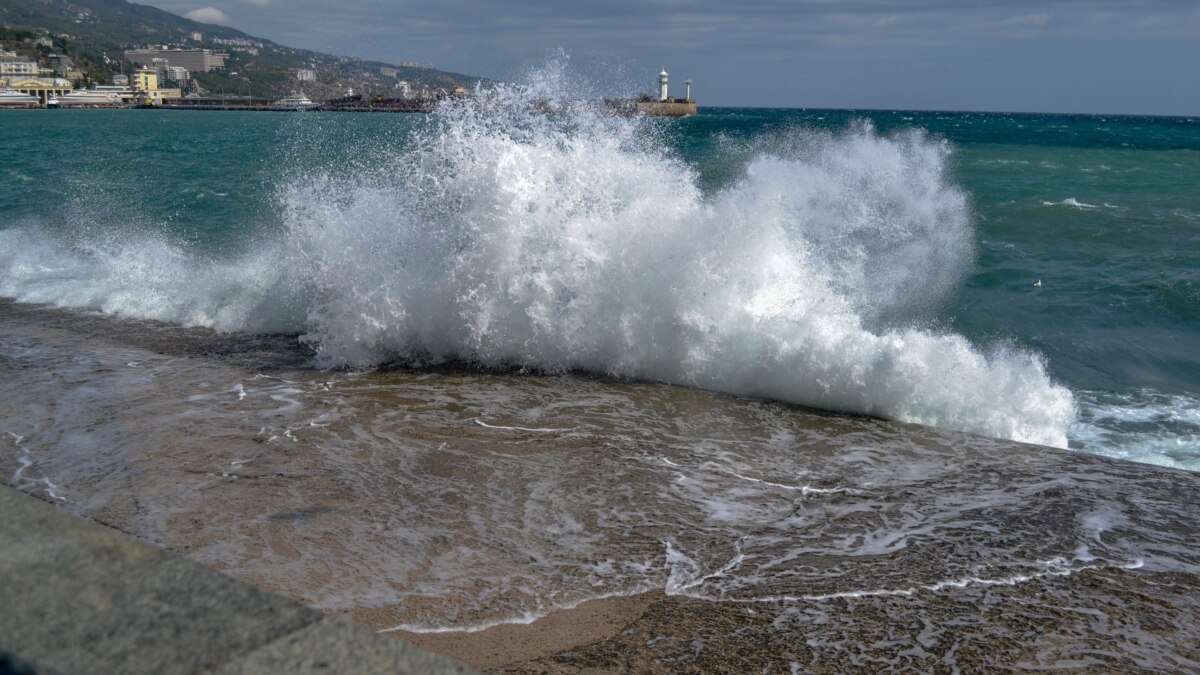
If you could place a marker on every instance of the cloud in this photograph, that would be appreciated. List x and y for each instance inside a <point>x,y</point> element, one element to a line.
<point>463,30</point>
<point>859,53</point>
<point>208,15</point>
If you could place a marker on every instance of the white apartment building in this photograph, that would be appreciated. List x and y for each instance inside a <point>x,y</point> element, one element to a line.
<point>195,60</point>
<point>17,66</point>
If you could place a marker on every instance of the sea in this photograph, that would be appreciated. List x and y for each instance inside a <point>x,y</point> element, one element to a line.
<point>885,389</point>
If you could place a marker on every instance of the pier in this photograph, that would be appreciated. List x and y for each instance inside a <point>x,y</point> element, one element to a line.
<point>346,104</point>
<point>662,105</point>
<point>218,103</point>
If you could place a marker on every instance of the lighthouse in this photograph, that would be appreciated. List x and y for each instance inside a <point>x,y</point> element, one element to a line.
<point>662,104</point>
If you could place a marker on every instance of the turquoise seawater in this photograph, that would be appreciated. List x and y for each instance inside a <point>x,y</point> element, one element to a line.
<point>1028,276</point>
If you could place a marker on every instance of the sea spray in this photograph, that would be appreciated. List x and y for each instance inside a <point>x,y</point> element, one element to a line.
<point>134,273</point>
<point>527,230</point>
<point>521,231</point>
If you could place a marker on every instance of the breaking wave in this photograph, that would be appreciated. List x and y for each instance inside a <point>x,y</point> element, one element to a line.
<point>525,231</point>
<point>574,241</point>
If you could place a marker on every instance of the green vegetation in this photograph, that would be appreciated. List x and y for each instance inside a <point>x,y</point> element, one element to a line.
<point>95,34</point>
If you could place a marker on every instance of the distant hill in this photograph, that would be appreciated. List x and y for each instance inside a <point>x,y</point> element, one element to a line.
<point>95,33</point>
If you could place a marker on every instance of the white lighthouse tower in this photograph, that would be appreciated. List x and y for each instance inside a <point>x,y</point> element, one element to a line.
<point>662,105</point>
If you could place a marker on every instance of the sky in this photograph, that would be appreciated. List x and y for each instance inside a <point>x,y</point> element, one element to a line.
<point>1075,56</point>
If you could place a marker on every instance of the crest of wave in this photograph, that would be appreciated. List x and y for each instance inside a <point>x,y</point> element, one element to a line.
<point>527,229</point>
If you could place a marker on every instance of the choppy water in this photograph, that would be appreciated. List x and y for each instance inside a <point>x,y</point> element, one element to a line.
<point>882,263</point>
<point>440,381</point>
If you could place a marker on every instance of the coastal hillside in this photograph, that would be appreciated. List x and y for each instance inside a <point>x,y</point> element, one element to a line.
<point>94,35</point>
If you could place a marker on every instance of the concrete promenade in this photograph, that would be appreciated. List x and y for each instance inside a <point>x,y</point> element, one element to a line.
<point>80,597</point>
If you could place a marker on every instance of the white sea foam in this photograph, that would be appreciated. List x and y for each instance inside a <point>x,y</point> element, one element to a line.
<point>1142,425</point>
<point>1072,202</point>
<point>575,240</point>
<point>802,489</point>
<point>25,462</point>
<point>530,429</point>
<point>687,578</point>
<point>134,273</point>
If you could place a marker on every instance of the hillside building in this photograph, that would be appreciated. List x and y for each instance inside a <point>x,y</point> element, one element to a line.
<point>17,66</point>
<point>62,65</point>
<point>195,60</point>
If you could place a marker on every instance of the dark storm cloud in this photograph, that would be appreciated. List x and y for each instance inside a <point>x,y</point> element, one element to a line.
<point>746,52</point>
<point>673,21</point>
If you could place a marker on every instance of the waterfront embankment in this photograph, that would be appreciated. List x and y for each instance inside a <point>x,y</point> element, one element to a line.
<point>81,597</point>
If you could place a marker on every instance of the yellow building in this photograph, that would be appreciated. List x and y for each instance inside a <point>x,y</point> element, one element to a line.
<point>155,98</point>
<point>145,79</point>
<point>43,88</point>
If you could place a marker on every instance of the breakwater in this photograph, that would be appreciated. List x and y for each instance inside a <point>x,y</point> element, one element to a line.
<point>630,107</point>
<point>349,104</point>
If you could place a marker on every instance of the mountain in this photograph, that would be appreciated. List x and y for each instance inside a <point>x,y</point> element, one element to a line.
<point>95,33</point>
<point>112,21</point>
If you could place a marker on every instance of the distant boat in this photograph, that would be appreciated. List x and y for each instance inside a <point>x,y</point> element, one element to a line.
<point>294,102</point>
<point>90,98</point>
<point>11,98</point>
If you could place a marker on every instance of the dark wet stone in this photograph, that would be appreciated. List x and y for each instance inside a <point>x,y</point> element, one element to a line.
<point>78,597</point>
